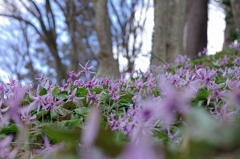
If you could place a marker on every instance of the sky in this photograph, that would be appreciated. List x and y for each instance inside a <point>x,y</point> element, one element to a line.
<point>216,25</point>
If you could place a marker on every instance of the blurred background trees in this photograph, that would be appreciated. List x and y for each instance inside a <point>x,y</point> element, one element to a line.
<point>62,35</point>
<point>53,36</point>
<point>169,20</point>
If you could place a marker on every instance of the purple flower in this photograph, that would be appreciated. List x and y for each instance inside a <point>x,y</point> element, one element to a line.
<point>232,84</point>
<point>90,83</point>
<point>173,101</point>
<point>136,98</point>
<point>225,60</point>
<point>203,52</point>
<point>217,94</point>
<point>127,122</point>
<point>176,80</point>
<point>48,86</point>
<point>236,61</point>
<point>106,81</point>
<point>42,78</point>
<point>235,46</point>
<point>139,84</point>
<point>2,110</point>
<point>4,146</point>
<point>234,97</point>
<point>26,114</point>
<point>72,76</point>
<point>50,103</point>
<point>114,92</point>
<point>38,100</point>
<point>92,97</point>
<point>91,128</point>
<point>87,70</point>
<point>206,76</point>
<point>223,114</point>
<point>141,150</point>
<point>181,59</point>
<point>73,97</point>
<point>78,83</point>
<point>47,146</point>
<point>12,83</point>
<point>48,149</point>
<point>147,74</point>
<point>13,105</point>
<point>150,82</point>
<point>2,90</point>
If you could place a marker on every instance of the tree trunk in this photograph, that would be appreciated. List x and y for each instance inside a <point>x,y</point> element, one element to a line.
<point>59,67</point>
<point>196,27</point>
<point>169,19</point>
<point>236,11</point>
<point>230,27</point>
<point>109,67</point>
<point>177,22</point>
<point>161,12</point>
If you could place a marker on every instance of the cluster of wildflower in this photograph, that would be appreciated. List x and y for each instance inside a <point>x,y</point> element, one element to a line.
<point>203,52</point>
<point>235,46</point>
<point>156,100</point>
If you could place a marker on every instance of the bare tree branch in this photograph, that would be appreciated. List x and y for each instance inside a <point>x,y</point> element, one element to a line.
<point>23,20</point>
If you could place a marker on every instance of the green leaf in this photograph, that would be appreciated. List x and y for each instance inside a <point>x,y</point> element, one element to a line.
<point>124,105</point>
<point>66,117</point>
<point>9,129</point>
<point>28,99</point>
<point>120,137</point>
<point>54,92</point>
<point>222,86</point>
<point>106,141</point>
<point>62,111</point>
<point>2,136</point>
<point>81,92</point>
<point>105,86</point>
<point>60,134</point>
<point>97,90</point>
<point>202,94</point>
<point>198,103</point>
<point>201,125</point>
<point>43,91</point>
<point>62,95</point>
<point>125,97</point>
<point>41,113</point>
<point>72,123</point>
<point>36,137</point>
<point>82,111</point>
<point>161,135</point>
<point>230,75</point>
<point>69,105</point>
